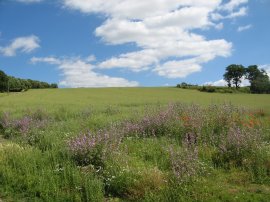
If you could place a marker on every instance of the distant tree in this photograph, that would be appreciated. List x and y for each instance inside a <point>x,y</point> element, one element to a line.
<point>252,72</point>
<point>260,85</point>
<point>234,74</point>
<point>3,81</point>
<point>187,85</point>
<point>228,78</point>
<point>182,85</point>
<point>12,84</point>
<point>27,84</point>
<point>54,85</point>
<point>259,80</point>
<point>15,85</point>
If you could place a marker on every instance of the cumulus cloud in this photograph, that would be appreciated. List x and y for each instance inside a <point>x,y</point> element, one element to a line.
<point>266,67</point>
<point>243,28</point>
<point>242,12</point>
<point>163,31</point>
<point>221,82</point>
<point>21,44</point>
<point>233,4</point>
<point>219,26</point>
<point>79,72</point>
<point>177,69</point>
<point>231,15</point>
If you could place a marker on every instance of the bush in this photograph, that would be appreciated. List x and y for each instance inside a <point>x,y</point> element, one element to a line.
<point>155,123</point>
<point>260,85</point>
<point>209,89</point>
<point>92,148</point>
<point>24,127</point>
<point>236,146</point>
<point>184,163</point>
<point>187,86</point>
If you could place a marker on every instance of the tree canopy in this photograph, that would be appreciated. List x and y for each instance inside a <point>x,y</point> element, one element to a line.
<point>13,84</point>
<point>234,74</point>
<point>3,81</point>
<point>258,78</point>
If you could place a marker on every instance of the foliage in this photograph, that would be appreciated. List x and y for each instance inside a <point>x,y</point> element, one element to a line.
<point>12,84</point>
<point>260,85</point>
<point>3,81</point>
<point>233,74</point>
<point>17,84</point>
<point>252,73</point>
<point>186,86</point>
<point>220,89</point>
<point>259,80</point>
<point>209,89</point>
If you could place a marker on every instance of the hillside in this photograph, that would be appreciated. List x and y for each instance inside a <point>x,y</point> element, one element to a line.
<point>134,144</point>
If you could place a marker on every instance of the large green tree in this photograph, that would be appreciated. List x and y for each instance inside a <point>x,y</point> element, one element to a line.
<point>259,80</point>
<point>260,85</point>
<point>12,84</point>
<point>234,74</point>
<point>3,81</point>
<point>252,72</point>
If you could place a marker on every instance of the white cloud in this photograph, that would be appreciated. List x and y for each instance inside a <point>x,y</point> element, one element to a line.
<point>231,15</point>
<point>135,61</point>
<point>79,72</point>
<point>219,26</point>
<point>134,9</point>
<point>49,60</point>
<point>243,28</point>
<point>220,82</point>
<point>22,44</point>
<point>242,12</point>
<point>266,67</point>
<point>178,69</point>
<point>29,1</point>
<point>163,31</point>
<point>233,4</point>
<point>244,82</point>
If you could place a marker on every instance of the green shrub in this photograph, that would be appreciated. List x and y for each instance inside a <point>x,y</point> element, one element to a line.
<point>209,89</point>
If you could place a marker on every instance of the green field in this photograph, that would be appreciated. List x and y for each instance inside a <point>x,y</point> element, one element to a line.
<point>134,144</point>
<point>77,99</point>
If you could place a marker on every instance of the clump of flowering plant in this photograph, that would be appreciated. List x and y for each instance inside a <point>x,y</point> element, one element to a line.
<point>23,127</point>
<point>153,124</point>
<point>185,161</point>
<point>237,145</point>
<point>91,148</point>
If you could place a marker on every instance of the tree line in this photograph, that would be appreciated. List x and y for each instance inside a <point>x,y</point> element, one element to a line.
<point>13,84</point>
<point>258,78</point>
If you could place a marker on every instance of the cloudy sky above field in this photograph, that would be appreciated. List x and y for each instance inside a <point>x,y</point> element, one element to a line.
<point>109,43</point>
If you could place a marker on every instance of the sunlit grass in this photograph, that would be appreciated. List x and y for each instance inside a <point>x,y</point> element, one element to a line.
<point>141,146</point>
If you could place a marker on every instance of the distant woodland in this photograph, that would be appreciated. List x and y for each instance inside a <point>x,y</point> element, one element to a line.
<point>13,84</point>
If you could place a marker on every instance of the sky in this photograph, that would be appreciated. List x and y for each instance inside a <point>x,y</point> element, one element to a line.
<point>129,43</point>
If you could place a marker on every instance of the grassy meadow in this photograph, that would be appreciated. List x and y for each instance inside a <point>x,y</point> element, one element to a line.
<point>134,144</point>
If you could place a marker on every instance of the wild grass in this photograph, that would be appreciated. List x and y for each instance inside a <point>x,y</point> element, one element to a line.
<point>134,145</point>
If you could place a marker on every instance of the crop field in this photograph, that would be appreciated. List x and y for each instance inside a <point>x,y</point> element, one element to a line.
<point>134,144</point>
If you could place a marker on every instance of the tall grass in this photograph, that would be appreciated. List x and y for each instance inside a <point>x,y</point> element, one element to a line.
<point>162,152</point>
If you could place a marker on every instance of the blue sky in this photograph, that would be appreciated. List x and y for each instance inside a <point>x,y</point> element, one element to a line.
<point>101,43</point>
